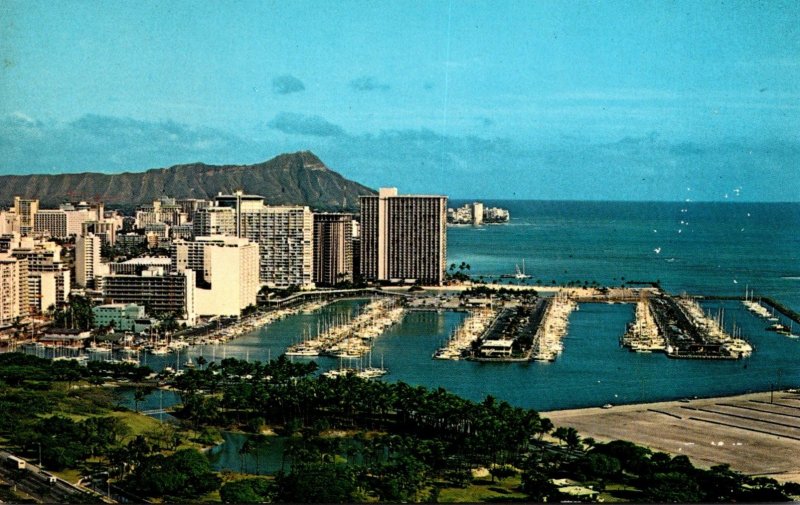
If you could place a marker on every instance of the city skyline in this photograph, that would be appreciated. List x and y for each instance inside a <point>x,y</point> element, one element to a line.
<point>625,101</point>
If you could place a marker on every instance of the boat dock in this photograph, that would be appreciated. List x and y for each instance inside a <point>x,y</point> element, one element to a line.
<point>642,334</point>
<point>547,342</point>
<point>474,327</point>
<point>691,334</point>
<point>350,338</point>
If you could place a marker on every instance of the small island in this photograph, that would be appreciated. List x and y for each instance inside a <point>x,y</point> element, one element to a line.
<point>476,214</point>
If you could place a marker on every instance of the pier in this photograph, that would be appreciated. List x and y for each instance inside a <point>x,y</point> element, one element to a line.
<point>474,327</point>
<point>547,341</point>
<point>512,338</point>
<point>642,334</point>
<point>691,334</point>
<point>350,338</point>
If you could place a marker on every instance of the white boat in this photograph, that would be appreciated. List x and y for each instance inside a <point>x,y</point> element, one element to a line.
<point>81,358</point>
<point>302,351</point>
<point>739,346</point>
<point>518,274</point>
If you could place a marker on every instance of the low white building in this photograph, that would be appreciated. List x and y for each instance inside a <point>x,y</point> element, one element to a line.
<point>122,315</point>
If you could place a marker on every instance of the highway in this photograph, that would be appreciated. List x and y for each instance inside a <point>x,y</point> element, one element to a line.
<point>35,483</point>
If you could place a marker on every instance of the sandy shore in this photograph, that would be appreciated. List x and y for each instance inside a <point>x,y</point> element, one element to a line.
<point>756,434</point>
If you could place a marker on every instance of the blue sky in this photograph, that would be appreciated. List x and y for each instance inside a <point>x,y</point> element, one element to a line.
<point>550,100</point>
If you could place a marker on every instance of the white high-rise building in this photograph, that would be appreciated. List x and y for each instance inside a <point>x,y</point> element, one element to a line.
<point>226,270</point>
<point>25,208</point>
<point>477,213</point>
<point>13,289</point>
<point>87,260</point>
<point>214,221</point>
<point>285,235</point>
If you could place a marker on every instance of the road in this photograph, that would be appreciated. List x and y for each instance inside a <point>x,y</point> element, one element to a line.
<point>34,482</point>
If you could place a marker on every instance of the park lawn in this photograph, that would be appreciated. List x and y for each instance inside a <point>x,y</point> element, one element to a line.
<point>617,493</point>
<point>138,423</point>
<point>484,490</point>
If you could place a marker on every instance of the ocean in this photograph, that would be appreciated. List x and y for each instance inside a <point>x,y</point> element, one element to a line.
<point>699,248</point>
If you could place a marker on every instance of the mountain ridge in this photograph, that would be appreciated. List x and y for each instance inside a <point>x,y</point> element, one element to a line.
<point>299,178</point>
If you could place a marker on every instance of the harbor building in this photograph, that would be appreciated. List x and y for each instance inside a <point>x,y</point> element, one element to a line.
<point>214,221</point>
<point>333,248</point>
<point>26,209</point>
<point>226,272</point>
<point>87,260</point>
<point>403,237</point>
<point>123,316</point>
<point>159,291</point>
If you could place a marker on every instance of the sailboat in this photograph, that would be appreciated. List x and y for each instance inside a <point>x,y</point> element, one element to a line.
<point>371,372</point>
<point>518,274</point>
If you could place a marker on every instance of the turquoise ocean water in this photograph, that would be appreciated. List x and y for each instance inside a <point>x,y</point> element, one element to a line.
<point>714,249</point>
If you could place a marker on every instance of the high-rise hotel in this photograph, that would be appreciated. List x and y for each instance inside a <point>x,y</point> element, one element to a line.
<point>333,248</point>
<point>403,237</point>
<point>285,235</point>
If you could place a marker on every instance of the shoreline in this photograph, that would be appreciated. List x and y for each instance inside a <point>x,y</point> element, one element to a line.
<point>630,406</point>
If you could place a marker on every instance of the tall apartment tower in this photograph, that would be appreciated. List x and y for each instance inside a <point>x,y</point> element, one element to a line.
<point>242,205</point>
<point>284,234</point>
<point>87,259</point>
<point>26,209</point>
<point>477,213</point>
<point>13,289</point>
<point>333,248</point>
<point>403,237</point>
<point>214,221</point>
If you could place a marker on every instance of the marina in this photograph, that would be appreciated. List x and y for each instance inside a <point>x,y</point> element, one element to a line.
<point>346,337</point>
<point>642,333</point>
<point>547,343</point>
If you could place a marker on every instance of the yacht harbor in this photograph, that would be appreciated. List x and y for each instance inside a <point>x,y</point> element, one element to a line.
<point>346,337</point>
<point>642,333</point>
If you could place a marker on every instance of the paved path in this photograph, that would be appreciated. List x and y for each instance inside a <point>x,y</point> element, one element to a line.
<point>756,434</point>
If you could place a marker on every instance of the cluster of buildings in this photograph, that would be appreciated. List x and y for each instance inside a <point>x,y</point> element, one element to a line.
<point>192,258</point>
<point>477,214</point>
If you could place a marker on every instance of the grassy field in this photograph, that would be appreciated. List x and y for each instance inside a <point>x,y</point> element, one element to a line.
<point>479,490</point>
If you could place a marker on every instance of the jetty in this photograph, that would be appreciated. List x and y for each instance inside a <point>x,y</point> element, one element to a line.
<point>462,339</point>
<point>691,334</point>
<point>547,342</point>
<point>642,334</point>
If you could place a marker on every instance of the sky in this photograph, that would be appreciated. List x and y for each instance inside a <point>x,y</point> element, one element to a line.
<point>598,100</point>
